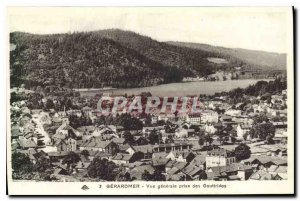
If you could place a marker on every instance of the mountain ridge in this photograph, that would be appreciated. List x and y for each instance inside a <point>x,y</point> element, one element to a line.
<point>114,57</point>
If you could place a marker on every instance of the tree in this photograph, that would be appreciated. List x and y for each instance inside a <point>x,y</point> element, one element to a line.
<point>169,139</point>
<point>233,140</point>
<point>49,104</point>
<point>242,152</point>
<point>262,130</point>
<point>245,136</point>
<point>129,123</point>
<point>69,104</point>
<point>222,134</point>
<point>154,137</point>
<point>260,119</point>
<point>42,165</point>
<point>158,176</point>
<point>122,174</point>
<point>102,169</point>
<point>85,153</point>
<point>128,138</point>
<point>21,164</point>
<point>269,139</point>
<point>146,176</point>
<point>71,159</point>
<point>201,140</point>
<point>208,139</point>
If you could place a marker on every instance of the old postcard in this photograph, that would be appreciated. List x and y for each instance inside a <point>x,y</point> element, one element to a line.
<point>150,100</point>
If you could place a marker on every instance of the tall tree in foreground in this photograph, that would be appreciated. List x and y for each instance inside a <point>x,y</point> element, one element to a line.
<point>242,152</point>
<point>102,169</point>
<point>21,165</point>
<point>71,159</point>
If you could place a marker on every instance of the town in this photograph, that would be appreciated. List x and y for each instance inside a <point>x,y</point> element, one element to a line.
<point>58,135</point>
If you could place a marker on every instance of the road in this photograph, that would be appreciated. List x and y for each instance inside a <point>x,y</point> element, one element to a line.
<point>40,129</point>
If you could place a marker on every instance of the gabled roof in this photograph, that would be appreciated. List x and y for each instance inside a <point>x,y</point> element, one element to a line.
<point>139,170</point>
<point>159,155</point>
<point>159,161</point>
<point>57,153</point>
<point>191,170</point>
<point>261,175</point>
<point>199,159</point>
<point>27,143</point>
<point>223,170</point>
<point>123,157</point>
<point>143,148</point>
<point>179,165</point>
<point>118,140</point>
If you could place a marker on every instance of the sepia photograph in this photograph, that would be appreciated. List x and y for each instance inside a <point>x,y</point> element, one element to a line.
<point>150,100</point>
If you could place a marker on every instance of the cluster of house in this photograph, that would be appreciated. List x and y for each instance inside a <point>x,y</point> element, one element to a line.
<point>181,159</point>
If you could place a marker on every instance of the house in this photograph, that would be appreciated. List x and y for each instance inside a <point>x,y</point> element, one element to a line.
<point>275,149</point>
<point>147,150</point>
<point>181,132</point>
<point>280,138</point>
<point>147,130</point>
<point>174,166</point>
<point>137,172</point>
<point>27,143</point>
<point>199,160</point>
<point>67,130</point>
<point>103,129</point>
<point>172,147</point>
<point>86,131</point>
<point>242,129</point>
<point>159,155</point>
<point>194,118</point>
<point>119,141</point>
<point>60,171</point>
<point>160,163</point>
<point>264,161</point>
<point>233,112</point>
<point>281,171</point>
<point>122,158</point>
<point>219,157</point>
<point>140,140</point>
<point>67,144</point>
<point>209,128</point>
<point>87,111</point>
<point>56,156</point>
<point>181,156</point>
<point>280,127</point>
<point>15,132</point>
<point>209,116</point>
<point>233,171</point>
<point>264,175</point>
<point>194,173</point>
<point>96,144</point>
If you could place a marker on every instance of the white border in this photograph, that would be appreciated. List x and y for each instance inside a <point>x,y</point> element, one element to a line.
<point>109,3</point>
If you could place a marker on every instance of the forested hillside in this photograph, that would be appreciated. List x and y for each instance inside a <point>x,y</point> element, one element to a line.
<point>190,62</point>
<point>120,59</point>
<point>252,60</point>
<point>82,60</point>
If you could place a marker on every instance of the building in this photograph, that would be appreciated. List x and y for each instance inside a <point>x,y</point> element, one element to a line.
<point>242,129</point>
<point>233,171</point>
<point>209,116</point>
<point>219,157</point>
<point>181,156</point>
<point>194,118</point>
<point>96,144</point>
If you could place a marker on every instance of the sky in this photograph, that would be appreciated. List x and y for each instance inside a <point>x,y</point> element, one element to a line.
<point>264,28</point>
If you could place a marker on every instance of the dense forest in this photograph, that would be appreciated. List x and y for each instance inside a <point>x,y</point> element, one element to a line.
<point>82,60</point>
<point>115,58</point>
<point>249,59</point>
<point>261,88</point>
